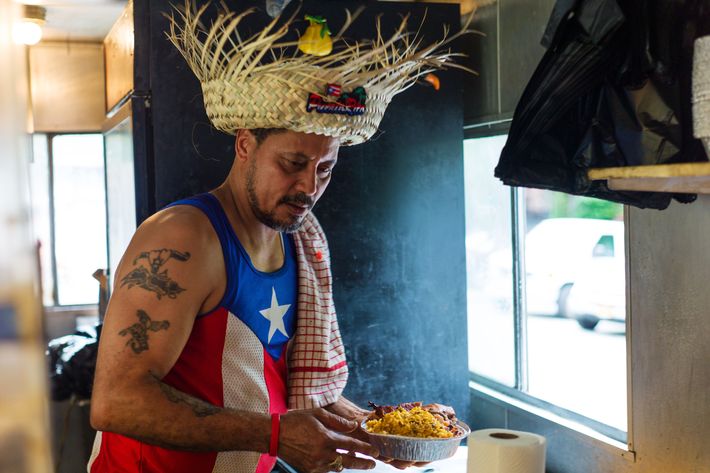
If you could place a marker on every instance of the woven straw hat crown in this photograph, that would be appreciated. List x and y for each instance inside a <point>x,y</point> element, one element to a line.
<point>263,81</point>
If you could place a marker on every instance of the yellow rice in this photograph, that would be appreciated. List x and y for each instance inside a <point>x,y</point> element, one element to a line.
<point>416,422</point>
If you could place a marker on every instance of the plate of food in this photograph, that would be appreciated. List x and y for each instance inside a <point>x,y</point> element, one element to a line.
<point>415,432</point>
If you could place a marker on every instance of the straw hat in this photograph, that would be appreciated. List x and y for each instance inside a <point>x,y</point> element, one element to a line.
<point>260,82</point>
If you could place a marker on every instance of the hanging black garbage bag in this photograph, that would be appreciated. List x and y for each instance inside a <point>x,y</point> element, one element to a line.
<point>613,89</point>
<point>72,362</point>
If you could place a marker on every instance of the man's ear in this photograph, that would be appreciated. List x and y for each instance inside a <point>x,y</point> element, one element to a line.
<point>244,145</point>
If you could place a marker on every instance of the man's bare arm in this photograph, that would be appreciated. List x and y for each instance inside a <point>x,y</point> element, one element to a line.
<point>163,281</point>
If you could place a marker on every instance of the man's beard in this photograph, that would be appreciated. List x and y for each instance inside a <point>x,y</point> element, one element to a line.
<point>268,218</point>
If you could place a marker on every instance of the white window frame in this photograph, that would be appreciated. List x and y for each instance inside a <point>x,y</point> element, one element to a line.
<point>56,307</point>
<point>515,398</point>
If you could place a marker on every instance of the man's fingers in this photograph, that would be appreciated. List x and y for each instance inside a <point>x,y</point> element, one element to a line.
<point>360,434</point>
<point>350,444</point>
<point>335,422</point>
<point>400,464</point>
<point>357,463</point>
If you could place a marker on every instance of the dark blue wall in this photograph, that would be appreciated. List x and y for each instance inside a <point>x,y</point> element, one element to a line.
<point>394,215</point>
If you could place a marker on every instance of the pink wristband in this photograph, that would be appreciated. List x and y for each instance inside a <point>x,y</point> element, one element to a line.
<point>275,427</point>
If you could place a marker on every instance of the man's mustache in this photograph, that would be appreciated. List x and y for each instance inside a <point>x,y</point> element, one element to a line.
<point>298,199</point>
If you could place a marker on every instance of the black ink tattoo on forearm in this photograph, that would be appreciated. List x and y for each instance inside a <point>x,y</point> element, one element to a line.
<point>152,279</point>
<point>199,408</point>
<point>139,331</point>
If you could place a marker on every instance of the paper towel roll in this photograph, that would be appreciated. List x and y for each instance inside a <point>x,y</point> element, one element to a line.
<point>505,451</point>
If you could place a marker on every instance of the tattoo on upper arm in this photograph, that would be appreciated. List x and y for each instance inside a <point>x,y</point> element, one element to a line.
<point>198,406</point>
<point>139,331</point>
<point>151,279</point>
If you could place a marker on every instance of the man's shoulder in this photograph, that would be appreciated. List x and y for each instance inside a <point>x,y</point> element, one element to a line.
<point>184,223</point>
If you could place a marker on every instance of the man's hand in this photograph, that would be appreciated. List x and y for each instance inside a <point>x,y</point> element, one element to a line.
<point>401,464</point>
<point>349,410</point>
<point>310,441</point>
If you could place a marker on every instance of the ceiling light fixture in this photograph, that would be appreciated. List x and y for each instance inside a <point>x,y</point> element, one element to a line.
<point>29,29</point>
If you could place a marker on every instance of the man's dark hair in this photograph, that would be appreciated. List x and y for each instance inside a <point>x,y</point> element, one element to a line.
<point>262,133</point>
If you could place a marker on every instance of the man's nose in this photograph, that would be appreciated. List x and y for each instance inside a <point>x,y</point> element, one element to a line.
<point>308,181</point>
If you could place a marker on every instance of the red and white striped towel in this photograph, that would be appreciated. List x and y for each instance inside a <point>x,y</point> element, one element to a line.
<point>318,371</point>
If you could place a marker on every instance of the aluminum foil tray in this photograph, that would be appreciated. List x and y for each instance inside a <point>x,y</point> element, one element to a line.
<point>416,449</point>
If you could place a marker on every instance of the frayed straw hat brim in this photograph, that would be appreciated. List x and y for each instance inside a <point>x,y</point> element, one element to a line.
<point>254,83</point>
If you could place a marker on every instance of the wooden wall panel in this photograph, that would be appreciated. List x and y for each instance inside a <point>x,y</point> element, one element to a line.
<point>67,84</point>
<point>118,52</point>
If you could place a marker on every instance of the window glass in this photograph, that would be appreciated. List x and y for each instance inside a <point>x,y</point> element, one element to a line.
<point>79,216</point>
<point>575,296</point>
<point>41,219</point>
<point>489,263</point>
<point>121,200</point>
<point>572,311</point>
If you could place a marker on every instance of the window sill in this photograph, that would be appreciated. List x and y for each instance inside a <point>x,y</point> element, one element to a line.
<point>77,310</point>
<point>607,443</point>
<point>66,320</point>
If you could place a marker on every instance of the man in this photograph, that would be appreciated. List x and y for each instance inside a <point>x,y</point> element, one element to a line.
<point>270,189</point>
<point>220,348</point>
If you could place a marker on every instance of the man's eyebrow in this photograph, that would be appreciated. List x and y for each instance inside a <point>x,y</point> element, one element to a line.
<point>304,157</point>
<point>295,155</point>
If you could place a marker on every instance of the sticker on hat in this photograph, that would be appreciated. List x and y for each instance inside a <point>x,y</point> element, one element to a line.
<point>335,101</point>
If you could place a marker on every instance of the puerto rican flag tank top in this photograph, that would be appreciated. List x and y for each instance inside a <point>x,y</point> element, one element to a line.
<point>235,357</point>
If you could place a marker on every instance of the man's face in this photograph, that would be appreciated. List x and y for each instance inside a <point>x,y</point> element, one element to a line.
<point>286,175</point>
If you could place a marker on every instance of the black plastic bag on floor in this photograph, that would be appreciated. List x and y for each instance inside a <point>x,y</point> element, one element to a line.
<point>72,362</point>
<point>613,89</point>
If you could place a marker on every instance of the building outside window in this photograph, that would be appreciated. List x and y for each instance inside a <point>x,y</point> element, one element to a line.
<point>546,295</point>
<point>69,215</point>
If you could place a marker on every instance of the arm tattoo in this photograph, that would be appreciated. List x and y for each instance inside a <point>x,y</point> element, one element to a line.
<point>153,279</point>
<point>139,331</point>
<point>199,407</point>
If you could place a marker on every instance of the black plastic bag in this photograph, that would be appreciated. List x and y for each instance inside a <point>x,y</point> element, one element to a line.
<point>613,89</point>
<point>72,362</point>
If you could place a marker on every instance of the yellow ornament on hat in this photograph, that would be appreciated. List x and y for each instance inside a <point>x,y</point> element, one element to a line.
<point>316,40</point>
